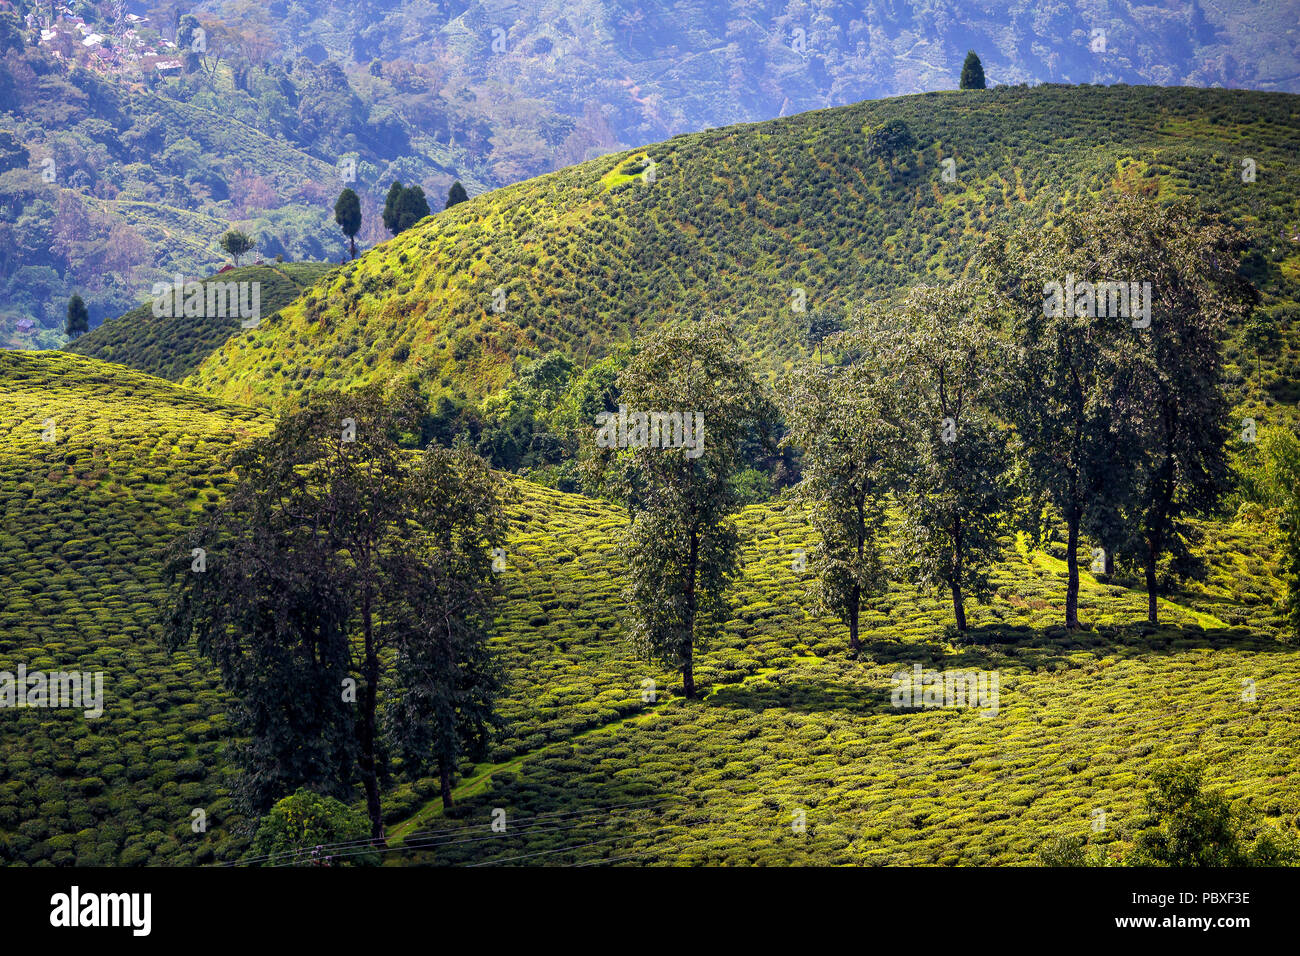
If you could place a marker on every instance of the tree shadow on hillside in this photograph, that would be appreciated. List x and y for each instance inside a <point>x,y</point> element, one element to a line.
<point>988,646</point>
<point>805,696</point>
<point>542,819</point>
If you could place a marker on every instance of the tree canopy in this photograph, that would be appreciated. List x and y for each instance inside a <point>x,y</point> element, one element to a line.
<point>972,72</point>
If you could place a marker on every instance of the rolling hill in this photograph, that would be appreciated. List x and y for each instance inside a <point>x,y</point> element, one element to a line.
<point>753,222</point>
<point>790,723</point>
<point>172,347</point>
<point>592,766</point>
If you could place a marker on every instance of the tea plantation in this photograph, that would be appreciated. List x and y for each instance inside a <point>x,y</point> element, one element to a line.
<point>133,460</point>
<point>740,220</point>
<point>588,769</point>
<point>172,347</point>
<point>791,723</point>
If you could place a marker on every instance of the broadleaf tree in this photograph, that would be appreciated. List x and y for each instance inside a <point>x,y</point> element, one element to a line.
<point>237,244</point>
<point>954,474</point>
<point>847,420</point>
<point>343,591</point>
<point>1173,373</point>
<point>681,546</point>
<point>1060,388</point>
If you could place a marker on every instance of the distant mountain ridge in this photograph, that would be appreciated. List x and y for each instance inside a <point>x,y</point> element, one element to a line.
<point>151,169</point>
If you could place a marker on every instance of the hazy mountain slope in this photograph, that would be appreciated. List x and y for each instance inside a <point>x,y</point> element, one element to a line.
<point>111,181</point>
<point>657,69</point>
<point>751,221</point>
<point>172,347</point>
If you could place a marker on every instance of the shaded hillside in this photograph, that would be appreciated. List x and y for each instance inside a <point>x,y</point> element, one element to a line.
<point>752,221</point>
<point>172,347</point>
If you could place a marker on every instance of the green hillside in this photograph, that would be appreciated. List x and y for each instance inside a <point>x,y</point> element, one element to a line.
<point>789,721</point>
<point>133,463</point>
<point>172,347</point>
<point>737,219</point>
<point>601,759</point>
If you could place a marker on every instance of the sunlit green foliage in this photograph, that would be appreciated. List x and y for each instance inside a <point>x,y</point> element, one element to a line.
<point>735,220</point>
<point>788,720</point>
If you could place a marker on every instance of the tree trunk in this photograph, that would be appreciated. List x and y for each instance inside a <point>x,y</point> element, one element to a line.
<point>444,777</point>
<point>1153,613</point>
<point>855,601</point>
<point>353,240</point>
<point>1155,533</point>
<point>1108,563</point>
<point>854,644</point>
<point>366,760</point>
<point>958,603</point>
<point>1072,571</point>
<point>688,652</point>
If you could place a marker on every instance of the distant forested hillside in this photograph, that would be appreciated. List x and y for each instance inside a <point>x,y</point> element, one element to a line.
<point>656,69</point>
<point>155,156</point>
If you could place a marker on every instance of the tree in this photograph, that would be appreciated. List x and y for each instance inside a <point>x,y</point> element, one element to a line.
<point>456,194</point>
<point>954,487</point>
<point>972,72</point>
<point>1260,334</point>
<point>390,206</point>
<point>186,34</point>
<point>347,213</point>
<point>1172,369</point>
<point>1186,826</point>
<point>1274,481</point>
<point>682,545</point>
<point>1060,389</point>
<point>846,420</point>
<point>309,829</point>
<point>889,140</point>
<point>345,600</point>
<point>404,206</point>
<point>411,208</point>
<point>237,244</point>
<point>78,322</point>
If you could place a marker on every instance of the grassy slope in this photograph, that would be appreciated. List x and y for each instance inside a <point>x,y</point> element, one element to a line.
<point>739,217</point>
<point>790,721</point>
<point>173,347</point>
